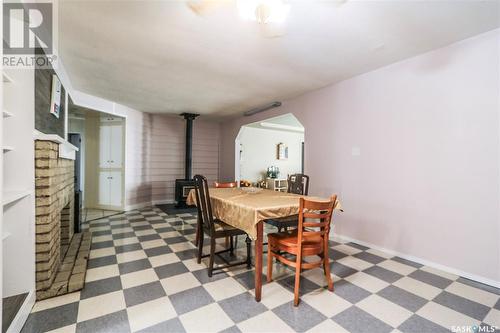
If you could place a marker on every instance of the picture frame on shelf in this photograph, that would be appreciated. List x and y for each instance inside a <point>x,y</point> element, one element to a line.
<point>55,97</point>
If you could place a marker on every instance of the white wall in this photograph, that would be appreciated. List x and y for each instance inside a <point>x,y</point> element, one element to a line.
<point>427,182</point>
<point>259,152</point>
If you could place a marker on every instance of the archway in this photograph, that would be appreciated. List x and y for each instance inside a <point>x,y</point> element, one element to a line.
<point>273,147</point>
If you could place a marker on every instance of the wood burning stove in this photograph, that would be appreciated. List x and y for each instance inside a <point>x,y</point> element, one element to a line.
<point>183,186</point>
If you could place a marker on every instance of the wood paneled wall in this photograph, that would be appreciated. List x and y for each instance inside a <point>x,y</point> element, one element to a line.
<point>167,153</point>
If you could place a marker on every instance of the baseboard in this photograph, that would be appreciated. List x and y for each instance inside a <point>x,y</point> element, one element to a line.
<point>23,313</point>
<point>137,206</point>
<point>148,204</point>
<point>425,262</point>
<point>163,202</point>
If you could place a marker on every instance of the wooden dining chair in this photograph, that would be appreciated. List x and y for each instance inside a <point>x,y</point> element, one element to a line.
<point>214,228</point>
<point>227,185</point>
<point>309,239</point>
<point>218,185</point>
<point>298,184</point>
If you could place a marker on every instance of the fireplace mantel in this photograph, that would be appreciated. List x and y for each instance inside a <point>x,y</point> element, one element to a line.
<point>66,149</point>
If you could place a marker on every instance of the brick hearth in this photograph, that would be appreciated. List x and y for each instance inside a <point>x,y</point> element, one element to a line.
<point>61,256</point>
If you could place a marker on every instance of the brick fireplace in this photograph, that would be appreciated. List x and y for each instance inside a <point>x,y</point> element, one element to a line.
<point>61,255</point>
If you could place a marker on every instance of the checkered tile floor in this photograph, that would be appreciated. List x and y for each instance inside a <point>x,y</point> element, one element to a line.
<point>143,277</point>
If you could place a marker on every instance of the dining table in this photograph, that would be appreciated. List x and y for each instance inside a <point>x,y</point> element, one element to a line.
<point>247,208</point>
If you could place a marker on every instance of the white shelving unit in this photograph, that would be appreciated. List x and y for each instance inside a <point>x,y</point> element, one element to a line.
<point>276,184</point>
<point>17,222</point>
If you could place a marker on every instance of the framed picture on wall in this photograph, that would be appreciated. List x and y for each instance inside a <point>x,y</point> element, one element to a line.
<point>55,97</point>
<point>282,151</point>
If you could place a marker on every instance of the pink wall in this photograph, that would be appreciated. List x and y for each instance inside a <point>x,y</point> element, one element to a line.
<point>426,183</point>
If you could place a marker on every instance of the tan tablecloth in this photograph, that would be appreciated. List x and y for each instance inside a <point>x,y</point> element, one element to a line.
<point>244,210</point>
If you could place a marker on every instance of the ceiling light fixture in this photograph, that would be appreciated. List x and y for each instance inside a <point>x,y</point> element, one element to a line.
<point>262,108</point>
<point>263,11</point>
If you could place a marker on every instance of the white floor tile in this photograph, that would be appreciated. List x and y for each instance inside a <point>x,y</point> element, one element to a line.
<point>108,251</point>
<point>418,288</point>
<point>125,241</point>
<point>355,263</point>
<point>210,318</point>
<point>101,305</point>
<point>138,278</point>
<point>150,313</point>
<point>474,294</point>
<point>102,272</point>
<point>178,283</point>
<point>224,288</point>
<point>130,256</point>
<point>326,302</point>
<point>382,309</point>
<point>493,318</point>
<point>264,323</point>
<point>367,282</point>
<point>274,295</point>
<point>56,301</point>
<point>397,267</point>
<point>153,243</point>
<point>444,316</point>
<point>163,259</point>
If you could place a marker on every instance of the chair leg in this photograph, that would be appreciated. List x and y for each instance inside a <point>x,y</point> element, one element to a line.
<point>200,245</point>
<point>269,263</point>
<point>197,238</point>
<point>227,242</point>
<point>231,246</point>
<point>212,257</point>
<point>249,248</point>
<point>326,267</point>
<point>297,280</point>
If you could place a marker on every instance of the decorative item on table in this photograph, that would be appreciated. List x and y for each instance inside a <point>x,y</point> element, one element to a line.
<point>245,183</point>
<point>262,184</point>
<point>273,172</point>
<point>282,151</point>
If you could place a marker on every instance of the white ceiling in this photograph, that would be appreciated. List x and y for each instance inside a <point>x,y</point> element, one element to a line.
<point>158,56</point>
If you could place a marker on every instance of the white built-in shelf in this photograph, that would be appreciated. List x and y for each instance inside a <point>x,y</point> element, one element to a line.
<point>6,78</point>
<point>6,235</point>
<point>6,114</point>
<point>10,196</point>
<point>7,148</point>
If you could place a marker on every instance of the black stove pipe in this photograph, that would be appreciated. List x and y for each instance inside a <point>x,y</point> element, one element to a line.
<point>188,166</point>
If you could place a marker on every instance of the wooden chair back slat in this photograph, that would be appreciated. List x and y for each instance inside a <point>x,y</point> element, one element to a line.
<point>314,220</point>
<point>203,202</point>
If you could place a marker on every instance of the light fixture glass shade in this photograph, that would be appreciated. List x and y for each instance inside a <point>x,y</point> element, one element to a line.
<point>263,11</point>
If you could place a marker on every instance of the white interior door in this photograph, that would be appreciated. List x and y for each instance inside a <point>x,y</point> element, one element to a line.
<point>104,188</point>
<point>115,188</point>
<point>116,146</point>
<point>105,146</point>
